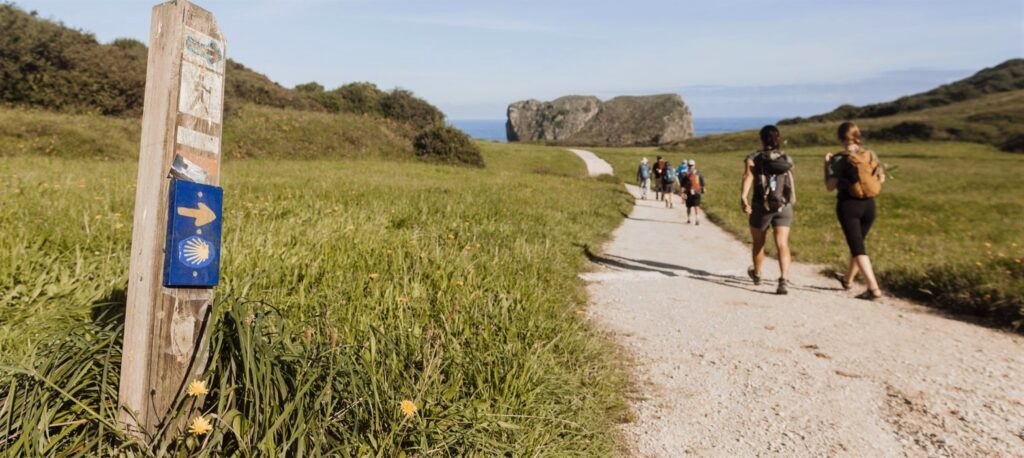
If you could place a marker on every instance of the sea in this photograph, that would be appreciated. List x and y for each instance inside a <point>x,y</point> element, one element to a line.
<point>494,129</point>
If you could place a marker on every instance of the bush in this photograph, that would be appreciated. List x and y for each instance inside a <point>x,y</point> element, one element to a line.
<point>904,131</point>
<point>447,144</point>
<point>402,106</point>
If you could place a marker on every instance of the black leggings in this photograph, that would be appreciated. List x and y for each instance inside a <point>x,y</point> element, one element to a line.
<point>856,217</point>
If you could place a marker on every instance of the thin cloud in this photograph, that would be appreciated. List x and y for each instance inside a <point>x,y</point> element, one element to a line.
<point>472,22</point>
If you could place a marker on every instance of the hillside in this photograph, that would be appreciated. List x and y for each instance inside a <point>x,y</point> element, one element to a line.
<point>1005,77</point>
<point>45,65</point>
<point>990,111</point>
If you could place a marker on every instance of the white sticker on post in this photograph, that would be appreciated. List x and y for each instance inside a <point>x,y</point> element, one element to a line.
<point>202,92</point>
<point>198,140</point>
<point>202,49</point>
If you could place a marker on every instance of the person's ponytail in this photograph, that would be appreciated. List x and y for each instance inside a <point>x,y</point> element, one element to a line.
<point>849,134</point>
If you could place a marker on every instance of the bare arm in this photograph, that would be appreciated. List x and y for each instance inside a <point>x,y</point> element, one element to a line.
<point>748,182</point>
<point>831,183</point>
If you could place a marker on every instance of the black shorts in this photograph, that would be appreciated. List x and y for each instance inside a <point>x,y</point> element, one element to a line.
<point>693,201</point>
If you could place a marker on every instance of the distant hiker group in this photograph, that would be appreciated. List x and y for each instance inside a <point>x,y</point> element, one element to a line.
<point>684,180</point>
<point>854,172</point>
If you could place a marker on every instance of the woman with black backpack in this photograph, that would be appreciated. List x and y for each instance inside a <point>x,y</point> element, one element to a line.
<point>858,176</point>
<point>770,173</point>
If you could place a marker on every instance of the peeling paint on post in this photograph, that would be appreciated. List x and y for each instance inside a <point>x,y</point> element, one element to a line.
<point>165,343</point>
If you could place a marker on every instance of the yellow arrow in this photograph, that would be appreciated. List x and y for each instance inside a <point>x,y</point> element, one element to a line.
<point>203,214</point>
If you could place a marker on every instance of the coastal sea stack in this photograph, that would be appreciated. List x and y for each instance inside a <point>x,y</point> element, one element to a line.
<point>586,120</point>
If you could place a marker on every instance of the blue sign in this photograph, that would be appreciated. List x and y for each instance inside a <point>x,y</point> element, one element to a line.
<point>192,256</point>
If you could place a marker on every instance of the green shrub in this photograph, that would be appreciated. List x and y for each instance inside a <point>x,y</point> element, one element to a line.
<point>446,144</point>
<point>402,106</point>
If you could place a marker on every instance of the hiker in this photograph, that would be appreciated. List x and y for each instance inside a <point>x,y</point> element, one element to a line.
<point>668,182</point>
<point>858,175</point>
<point>770,173</point>
<point>659,171</point>
<point>643,178</point>
<point>680,176</point>
<point>682,169</point>
<point>692,186</point>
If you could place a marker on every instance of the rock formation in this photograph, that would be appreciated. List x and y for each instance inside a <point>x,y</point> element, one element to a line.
<point>585,120</point>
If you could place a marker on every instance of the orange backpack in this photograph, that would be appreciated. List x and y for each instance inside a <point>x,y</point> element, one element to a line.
<point>869,182</point>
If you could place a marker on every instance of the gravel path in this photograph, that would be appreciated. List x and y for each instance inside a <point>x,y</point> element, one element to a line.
<point>726,368</point>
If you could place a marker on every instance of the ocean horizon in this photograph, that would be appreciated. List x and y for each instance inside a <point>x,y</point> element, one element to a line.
<point>494,129</point>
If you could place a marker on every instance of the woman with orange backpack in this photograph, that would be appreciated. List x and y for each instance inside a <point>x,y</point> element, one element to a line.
<point>858,176</point>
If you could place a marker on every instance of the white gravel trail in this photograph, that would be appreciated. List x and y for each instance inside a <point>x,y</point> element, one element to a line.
<point>726,368</point>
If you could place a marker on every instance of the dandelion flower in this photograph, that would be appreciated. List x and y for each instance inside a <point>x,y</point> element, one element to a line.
<point>408,408</point>
<point>451,236</point>
<point>460,282</point>
<point>200,426</point>
<point>197,388</point>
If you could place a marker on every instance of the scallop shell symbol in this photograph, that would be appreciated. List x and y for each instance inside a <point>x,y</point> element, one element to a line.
<point>195,252</point>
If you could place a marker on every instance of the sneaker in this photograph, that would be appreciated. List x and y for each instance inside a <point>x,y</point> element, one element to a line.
<point>782,289</point>
<point>754,276</point>
<point>697,223</point>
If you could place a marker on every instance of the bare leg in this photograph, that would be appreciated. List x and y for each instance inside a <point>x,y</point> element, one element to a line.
<point>864,262</point>
<point>851,273</point>
<point>757,249</point>
<point>782,244</point>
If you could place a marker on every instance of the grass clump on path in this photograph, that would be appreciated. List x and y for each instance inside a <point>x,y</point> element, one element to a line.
<point>949,228</point>
<point>345,291</point>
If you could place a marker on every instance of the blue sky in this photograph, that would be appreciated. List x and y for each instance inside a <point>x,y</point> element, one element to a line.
<point>767,58</point>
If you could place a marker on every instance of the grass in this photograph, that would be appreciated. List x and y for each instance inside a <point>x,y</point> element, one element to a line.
<point>252,132</point>
<point>950,227</point>
<point>347,287</point>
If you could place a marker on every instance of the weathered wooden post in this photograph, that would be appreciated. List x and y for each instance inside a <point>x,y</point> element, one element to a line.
<point>175,257</point>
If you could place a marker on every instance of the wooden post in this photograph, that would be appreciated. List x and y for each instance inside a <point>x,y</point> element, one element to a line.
<point>165,327</point>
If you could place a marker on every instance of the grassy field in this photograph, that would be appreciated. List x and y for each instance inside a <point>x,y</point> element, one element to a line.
<point>950,229</point>
<point>347,287</point>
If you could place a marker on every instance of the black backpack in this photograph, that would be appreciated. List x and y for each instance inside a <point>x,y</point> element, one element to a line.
<point>773,180</point>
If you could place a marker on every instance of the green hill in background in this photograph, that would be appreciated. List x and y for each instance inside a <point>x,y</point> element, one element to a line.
<point>1005,77</point>
<point>987,107</point>
<point>45,65</point>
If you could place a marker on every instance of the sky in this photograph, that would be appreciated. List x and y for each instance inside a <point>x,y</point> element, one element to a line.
<point>727,58</point>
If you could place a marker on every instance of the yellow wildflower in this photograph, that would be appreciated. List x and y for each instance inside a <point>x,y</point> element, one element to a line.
<point>197,388</point>
<point>374,276</point>
<point>459,282</point>
<point>978,263</point>
<point>408,408</point>
<point>200,426</point>
<point>402,299</point>
<point>451,236</point>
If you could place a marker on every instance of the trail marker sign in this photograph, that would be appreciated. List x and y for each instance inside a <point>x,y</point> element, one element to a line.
<point>192,253</point>
<point>176,251</point>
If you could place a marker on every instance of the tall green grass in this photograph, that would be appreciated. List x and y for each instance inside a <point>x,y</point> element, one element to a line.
<point>950,227</point>
<point>347,287</point>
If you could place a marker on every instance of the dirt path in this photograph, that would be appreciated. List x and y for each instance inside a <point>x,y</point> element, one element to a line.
<point>726,368</point>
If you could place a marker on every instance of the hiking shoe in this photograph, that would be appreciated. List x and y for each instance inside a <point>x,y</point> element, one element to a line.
<point>842,280</point>
<point>870,295</point>
<point>754,276</point>
<point>782,289</point>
